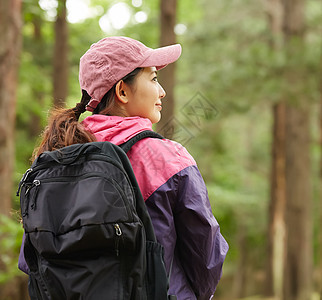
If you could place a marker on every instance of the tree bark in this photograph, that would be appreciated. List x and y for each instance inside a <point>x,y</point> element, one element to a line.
<point>60,76</point>
<point>276,226</point>
<point>320,191</point>
<point>10,37</point>
<point>34,126</point>
<point>277,231</point>
<point>168,10</point>
<point>290,228</point>
<point>240,278</point>
<point>298,267</point>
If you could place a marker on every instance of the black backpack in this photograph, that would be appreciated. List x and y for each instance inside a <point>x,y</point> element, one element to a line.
<point>88,233</point>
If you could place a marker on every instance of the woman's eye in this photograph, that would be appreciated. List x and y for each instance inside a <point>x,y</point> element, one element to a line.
<point>155,79</point>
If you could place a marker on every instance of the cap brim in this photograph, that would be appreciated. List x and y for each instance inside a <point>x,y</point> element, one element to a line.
<point>161,57</point>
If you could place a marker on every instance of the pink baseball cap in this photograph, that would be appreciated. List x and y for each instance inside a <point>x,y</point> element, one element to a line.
<point>110,59</point>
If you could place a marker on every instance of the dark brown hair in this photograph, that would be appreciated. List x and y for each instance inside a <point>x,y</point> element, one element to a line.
<point>63,127</point>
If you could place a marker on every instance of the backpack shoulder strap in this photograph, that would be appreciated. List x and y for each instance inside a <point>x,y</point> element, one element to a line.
<point>140,205</point>
<point>142,135</point>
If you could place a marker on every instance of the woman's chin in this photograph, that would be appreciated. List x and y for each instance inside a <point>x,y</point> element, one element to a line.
<point>155,118</point>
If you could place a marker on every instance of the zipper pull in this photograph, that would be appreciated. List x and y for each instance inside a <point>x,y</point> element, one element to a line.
<point>25,202</point>
<point>22,181</point>
<point>118,229</point>
<point>118,232</point>
<point>35,183</point>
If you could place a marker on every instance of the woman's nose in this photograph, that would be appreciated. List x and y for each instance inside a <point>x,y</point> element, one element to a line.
<point>162,92</point>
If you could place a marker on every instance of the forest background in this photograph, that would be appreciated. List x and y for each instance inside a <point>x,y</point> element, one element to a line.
<point>245,99</point>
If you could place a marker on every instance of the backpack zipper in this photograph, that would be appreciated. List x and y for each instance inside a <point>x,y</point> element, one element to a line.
<point>40,272</point>
<point>36,183</point>
<point>118,232</point>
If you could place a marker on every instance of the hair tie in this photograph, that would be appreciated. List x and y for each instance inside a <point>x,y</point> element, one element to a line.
<point>79,109</point>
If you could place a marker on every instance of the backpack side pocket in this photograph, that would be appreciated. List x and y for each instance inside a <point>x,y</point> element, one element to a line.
<point>157,281</point>
<point>33,289</point>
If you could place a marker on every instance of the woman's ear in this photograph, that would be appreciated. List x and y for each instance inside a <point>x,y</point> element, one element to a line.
<point>121,92</point>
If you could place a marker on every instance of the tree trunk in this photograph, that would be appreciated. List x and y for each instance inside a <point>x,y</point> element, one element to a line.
<point>10,37</point>
<point>276,226</point>
<point>34,126</point>
<point>290,228</point>
<point>298,267</point>
<point>320,191</point>
<point>240,278</point>
<point>60,76</point>
<point>277,232</point>
<point>168,10</point>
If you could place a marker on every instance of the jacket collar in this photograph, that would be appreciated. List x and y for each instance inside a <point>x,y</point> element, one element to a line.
<point>115,129</point>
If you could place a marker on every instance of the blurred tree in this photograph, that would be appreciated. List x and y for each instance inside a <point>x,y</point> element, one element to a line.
<point>277,237</point>
<point>290,224</point>
<point>61,64</point>
<point>168,11</point>
<point>276,224</point>
<point>35,83</point>
<point>240,280</point>
<point>10,28</point>
<point>10,46</point>
<point>320,189</point>
<point>34,15</point>
<point>35,124</point>
<point>298,268</point>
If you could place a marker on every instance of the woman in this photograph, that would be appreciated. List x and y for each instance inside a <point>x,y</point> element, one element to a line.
<point>118,78</point>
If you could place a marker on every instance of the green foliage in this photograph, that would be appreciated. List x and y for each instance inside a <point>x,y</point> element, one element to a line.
<point>234,59</point>
<point>10,240</point>
<point>237,177</point>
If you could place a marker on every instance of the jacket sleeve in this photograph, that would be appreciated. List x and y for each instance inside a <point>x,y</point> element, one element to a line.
<point>22,265</point>
<point>201,247</point>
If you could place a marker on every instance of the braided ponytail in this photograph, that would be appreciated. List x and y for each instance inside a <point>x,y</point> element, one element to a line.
<point>64,129</point>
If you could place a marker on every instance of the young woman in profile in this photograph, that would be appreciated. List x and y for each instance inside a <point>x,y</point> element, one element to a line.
<point>118,78</point>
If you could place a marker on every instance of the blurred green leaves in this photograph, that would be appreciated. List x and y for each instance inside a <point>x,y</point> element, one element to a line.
<point>10,241</point>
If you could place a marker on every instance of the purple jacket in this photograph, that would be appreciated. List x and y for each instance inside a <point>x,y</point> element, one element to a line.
<point>177,200</point>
